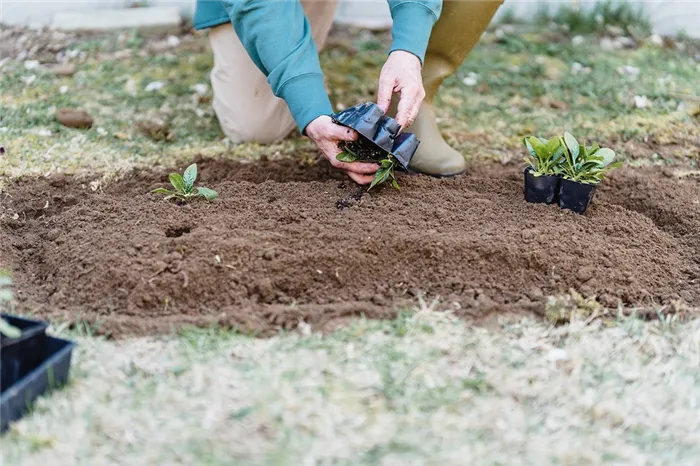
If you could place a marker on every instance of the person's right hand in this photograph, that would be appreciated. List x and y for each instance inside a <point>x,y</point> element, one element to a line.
<point>327,135</point>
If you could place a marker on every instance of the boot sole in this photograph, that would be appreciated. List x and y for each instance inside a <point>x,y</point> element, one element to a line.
<point>446,175</point>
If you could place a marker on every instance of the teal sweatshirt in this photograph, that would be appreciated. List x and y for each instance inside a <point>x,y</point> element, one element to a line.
<point>277,36</point>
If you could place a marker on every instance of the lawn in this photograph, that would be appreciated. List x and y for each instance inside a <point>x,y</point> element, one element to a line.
<point>575,383</point>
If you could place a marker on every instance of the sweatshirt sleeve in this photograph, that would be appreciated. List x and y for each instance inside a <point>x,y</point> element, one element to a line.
<point>277,36</point>
<point>413,22</point>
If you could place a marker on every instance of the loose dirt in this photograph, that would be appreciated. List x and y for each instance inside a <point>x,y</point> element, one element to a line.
<point>288,242</point>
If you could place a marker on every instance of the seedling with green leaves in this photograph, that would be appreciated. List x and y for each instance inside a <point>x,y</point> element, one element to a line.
<point>8,330</point>
<point>184,187</point>
<point>545,155</point>
<point>587,165</point>
<point>387,165</point>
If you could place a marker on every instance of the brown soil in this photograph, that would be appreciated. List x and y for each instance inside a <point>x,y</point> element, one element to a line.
<point>287,242</point>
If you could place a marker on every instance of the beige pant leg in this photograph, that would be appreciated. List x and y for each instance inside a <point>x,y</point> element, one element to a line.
<point>243,100</point>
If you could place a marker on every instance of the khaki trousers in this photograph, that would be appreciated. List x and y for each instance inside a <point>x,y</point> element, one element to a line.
<point>243,100</point>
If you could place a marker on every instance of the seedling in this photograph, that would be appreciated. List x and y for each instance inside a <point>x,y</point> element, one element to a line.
<point>10,331</point>
<point>587,165</point>
<point>184,187</point>
<point>545,155</point>
<point>387,165</point>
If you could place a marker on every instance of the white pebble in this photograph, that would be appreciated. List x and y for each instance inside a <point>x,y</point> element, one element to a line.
<point>31,64</point>
<point>63,89</point>
<point>577,40</point>
<point>200,89</point>
<point>641,101</point>
<point>472,79</point>
<point>154,86</point>
<point>629,71</point>
<point>42,132</point>
<point>173,41</point>
<point>656,40</point>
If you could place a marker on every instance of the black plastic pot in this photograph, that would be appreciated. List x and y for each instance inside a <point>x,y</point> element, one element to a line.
<point>20,355</point>
<point>379,131</point>
<point>575,196</point>
<point>51,373</point>
<point>543,189</point>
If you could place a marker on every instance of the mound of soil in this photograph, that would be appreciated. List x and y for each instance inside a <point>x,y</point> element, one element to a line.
<point>289,242</point>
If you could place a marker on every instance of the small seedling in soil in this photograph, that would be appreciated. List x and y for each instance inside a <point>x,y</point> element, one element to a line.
<point>184,187</point>
<point>10,331</point>
<point>355,152</point>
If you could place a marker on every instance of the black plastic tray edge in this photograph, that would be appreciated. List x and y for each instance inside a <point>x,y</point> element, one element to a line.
<point>17,399</point>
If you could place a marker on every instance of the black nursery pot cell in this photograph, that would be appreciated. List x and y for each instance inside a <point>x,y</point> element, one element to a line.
<point>576,196</point>
<point>543,189</point>
<point>379,131</point>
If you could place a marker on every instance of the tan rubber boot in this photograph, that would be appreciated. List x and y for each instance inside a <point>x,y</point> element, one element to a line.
<point>461,24</point>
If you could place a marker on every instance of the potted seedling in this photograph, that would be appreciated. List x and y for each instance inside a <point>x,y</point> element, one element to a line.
<point>379,141</point>
<point>31,362</point>
<point>581,170</point>
<point>184,187</point>
<point>541,180</point>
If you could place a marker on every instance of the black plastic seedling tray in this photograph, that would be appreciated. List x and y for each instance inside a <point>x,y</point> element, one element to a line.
<point>20,355</point>
<point>29,367</point>
<point>379,131</point>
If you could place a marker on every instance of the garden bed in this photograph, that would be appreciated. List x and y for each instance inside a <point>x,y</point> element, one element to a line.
<point>288,242</point>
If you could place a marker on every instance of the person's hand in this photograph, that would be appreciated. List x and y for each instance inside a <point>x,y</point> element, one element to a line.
<point>327,135</point>
<point>401,73</point>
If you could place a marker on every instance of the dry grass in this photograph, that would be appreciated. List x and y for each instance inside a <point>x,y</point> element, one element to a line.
<point>424,389</point>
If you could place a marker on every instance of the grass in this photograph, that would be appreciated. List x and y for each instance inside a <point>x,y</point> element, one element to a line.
<point>422,389</point>
<point>526,84</point>
<point>625,15</point>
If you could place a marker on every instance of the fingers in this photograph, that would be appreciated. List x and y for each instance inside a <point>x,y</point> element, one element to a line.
<point>361,179</point>
<point>384,91</point>
<point>342,133</point>
<point>355,167</point>
<point>409,105</point>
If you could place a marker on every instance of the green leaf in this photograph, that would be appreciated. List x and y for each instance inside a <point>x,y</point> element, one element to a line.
<point>10,331</point>
<point>395,183</point>
<point>380,177</point>
<point>529,148</point>
<point>572,145</point>
<point>346,156</point>
<point>607,156</point>
<point>558,152</point>
<point>189,177</point>
<point>389,162</point>
<point>552,146</point>
<point>162,191</point>
<point>177,182</point>
<point>209,194</point>
<point>540,149</point>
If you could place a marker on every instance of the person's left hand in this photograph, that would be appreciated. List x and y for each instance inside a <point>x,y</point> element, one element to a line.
<point>401,73</point>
